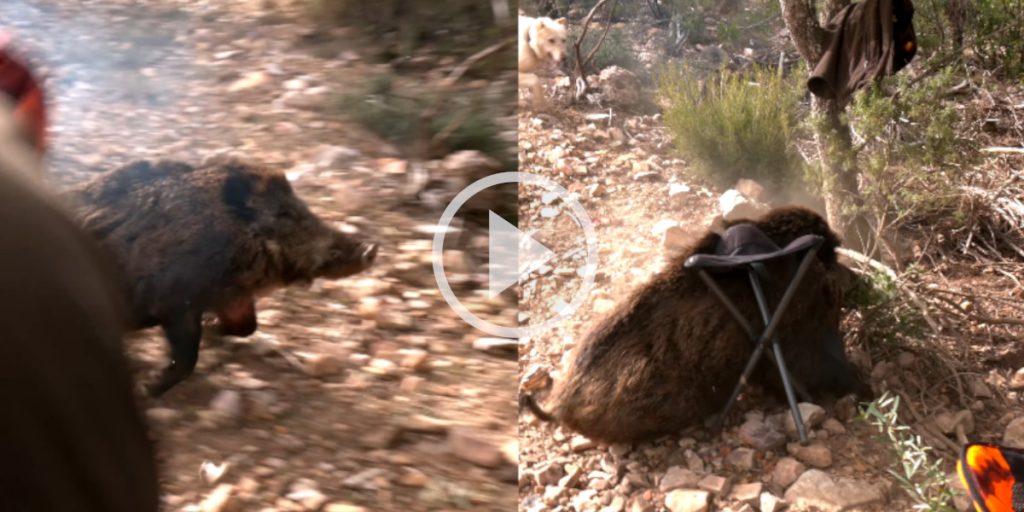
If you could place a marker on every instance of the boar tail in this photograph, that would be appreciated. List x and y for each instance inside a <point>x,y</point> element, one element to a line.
<point>527,401</point>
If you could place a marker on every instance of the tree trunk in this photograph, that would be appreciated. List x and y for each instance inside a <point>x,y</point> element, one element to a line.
<point>843,202</point>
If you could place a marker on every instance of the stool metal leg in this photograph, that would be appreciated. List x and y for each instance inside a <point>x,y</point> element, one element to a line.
<point>749,369</point>
<point>766,335</point>
<point>762,304</point>
<point>731,307</point>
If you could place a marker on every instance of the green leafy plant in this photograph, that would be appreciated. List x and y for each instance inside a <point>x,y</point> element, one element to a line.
<point>887,318</point>
<point>919,474</point>
<point>910,150</point>
<point>736,124</point>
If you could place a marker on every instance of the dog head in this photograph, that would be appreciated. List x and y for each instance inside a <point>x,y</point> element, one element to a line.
<point>547,39</point>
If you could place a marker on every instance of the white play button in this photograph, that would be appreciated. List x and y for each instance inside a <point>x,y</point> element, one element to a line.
<point>511,253</point>
<point>514,255</point>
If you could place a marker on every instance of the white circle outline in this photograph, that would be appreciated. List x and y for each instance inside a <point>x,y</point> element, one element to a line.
<point>437,250</point>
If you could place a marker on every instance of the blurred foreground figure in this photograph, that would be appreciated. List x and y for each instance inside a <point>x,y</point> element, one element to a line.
<point>22,88</point>
<point>71,435</point>
<point>993,476</point>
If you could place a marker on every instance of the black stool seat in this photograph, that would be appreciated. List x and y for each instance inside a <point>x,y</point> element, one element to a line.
<point>744,246</point>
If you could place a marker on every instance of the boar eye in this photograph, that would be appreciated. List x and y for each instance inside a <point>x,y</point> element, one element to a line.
<point>552,40</point>
<point>288,214</point>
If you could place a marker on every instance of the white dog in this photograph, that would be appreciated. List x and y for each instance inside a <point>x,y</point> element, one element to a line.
<point>541,43</point>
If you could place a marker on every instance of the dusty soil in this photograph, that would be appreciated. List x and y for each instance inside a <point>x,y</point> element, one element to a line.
<point>366,392</point>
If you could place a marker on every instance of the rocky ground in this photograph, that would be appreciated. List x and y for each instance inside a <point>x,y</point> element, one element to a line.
<point>364,394</point>
<point>645,205</point>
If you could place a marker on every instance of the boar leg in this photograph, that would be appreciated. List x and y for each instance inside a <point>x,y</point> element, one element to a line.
<point>237,317</point>
<point>183,332</point>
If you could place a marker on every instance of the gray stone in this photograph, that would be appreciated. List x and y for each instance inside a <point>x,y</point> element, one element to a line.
<point>817,455</point>
<point>573,473</point>
<point>734,206</point>
<point>815,489</point>
<point>548,473</point>
<point>812,415</point>
<point>1017,380</point>
<point>639,504</point>
<point>833,426</point>
<point>687,500</point>
<point>583,500</point>
<point>747,493</point>
<point>678,477</point>
<point>786,471</point>
<point>741,458</point>
<point>770,503</point>
<point>694,462</point>
<point>761,436</point>
<point>1014,434</point>
<point>618,504</point>
<point>714,484</point>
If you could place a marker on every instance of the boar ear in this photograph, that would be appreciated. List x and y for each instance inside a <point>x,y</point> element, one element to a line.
<point>562,21</point>
<point>236,193</point>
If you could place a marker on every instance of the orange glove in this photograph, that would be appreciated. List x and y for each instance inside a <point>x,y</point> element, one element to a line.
<point>993,476</point>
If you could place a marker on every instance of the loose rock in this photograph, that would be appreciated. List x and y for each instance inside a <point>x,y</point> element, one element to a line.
<point>687,501</point>
<point>678,477</point>
<point>1014,434</point>
<point>816,489</point>
<point>817,455</point>
<point>747,493</point>
<point>786,471</point>
<point>714,484</point>
<point>812,415</point>
<point>741,458</point>
<point>761,436</point>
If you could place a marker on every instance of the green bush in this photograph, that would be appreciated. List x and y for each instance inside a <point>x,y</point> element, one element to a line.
<point>993,29</point>
<point>910,151</point>
<point>887,318</point>
<point>391,110</point>
<point>733,29</point>
<point>997,29</point>
<point>735,125</point>
<point>402,26</point>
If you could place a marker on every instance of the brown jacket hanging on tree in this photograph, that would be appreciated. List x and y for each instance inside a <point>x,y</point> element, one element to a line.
<point>868,40</point>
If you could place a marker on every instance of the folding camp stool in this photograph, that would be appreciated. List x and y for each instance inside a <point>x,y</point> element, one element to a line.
<point>745,247</point>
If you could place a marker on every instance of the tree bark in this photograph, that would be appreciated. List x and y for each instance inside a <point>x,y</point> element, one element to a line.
<point>843,202</point>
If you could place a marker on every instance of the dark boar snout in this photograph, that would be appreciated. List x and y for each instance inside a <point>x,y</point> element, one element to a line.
<point>346,257</point>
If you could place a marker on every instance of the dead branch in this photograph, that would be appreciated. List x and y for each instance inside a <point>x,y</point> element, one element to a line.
<point>604,35</point>
<point>1002,149</point>
<point>580,73</point>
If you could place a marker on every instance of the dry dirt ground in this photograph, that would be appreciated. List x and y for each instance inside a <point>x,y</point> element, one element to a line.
<point>634,187</point>
<point>364,394</point>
